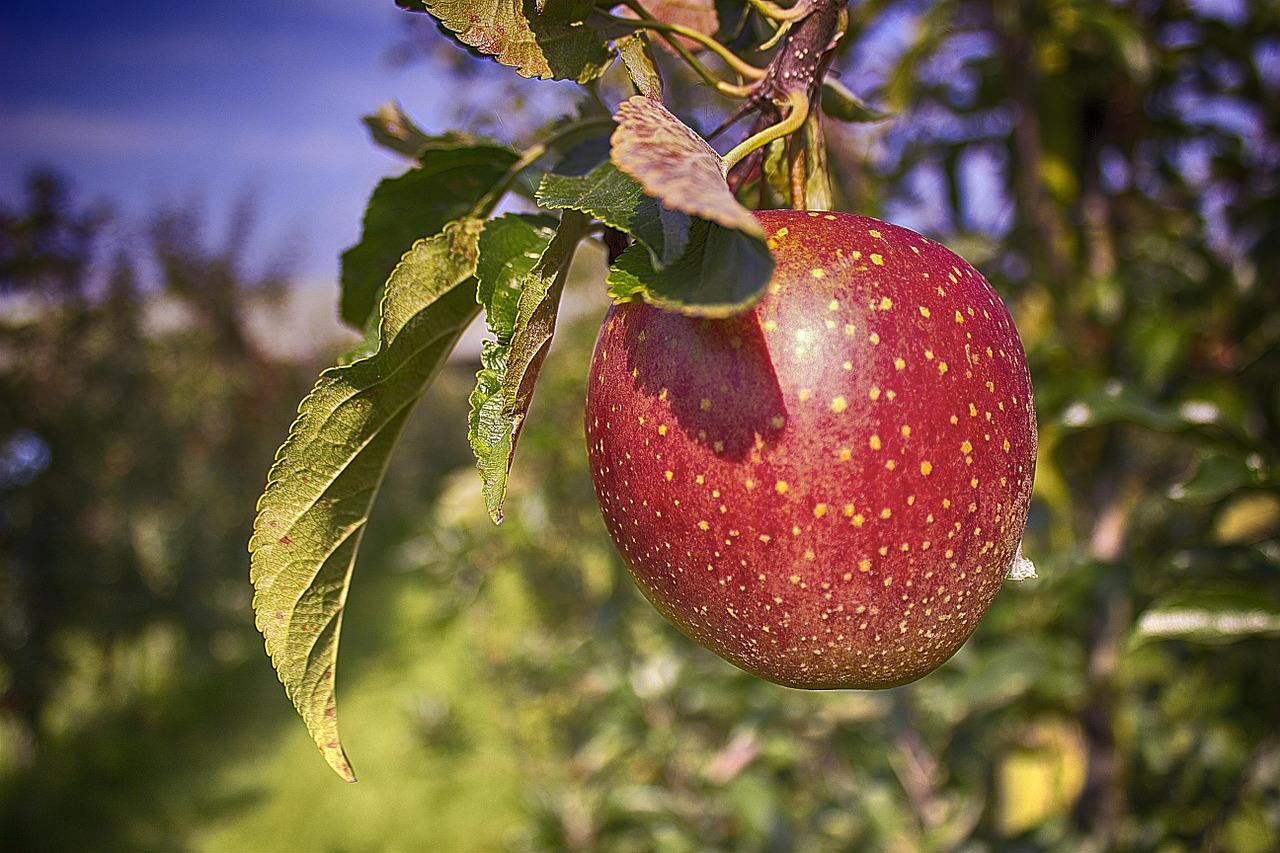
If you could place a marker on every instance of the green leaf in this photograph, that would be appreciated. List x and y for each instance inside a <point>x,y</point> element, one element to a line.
<point>569,11</point>
<point>1117,401</point>
<point>445,186</point>
<point>634,50</point>
<point>721,272</point>
<point>509,249</point>
<point>320,489</point>
<point>843,105</point>
<point>391,128</point>
<point>522,272</point>
<point>1209,617</point>
<point>545,46</point>
<point>676,165</point>
<point>777,167</point>
<point>1220,472</point>
<point>618,201</point>
<point>1248,516</point>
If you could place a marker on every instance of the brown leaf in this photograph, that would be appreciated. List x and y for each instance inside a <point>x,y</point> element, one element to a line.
<point>675,165</point>
<point>697,15</point>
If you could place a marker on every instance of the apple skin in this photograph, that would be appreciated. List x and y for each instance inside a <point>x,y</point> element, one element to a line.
<point>828,489</point>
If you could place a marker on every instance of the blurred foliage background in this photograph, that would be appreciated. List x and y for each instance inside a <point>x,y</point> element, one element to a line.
<point>1112,165</point>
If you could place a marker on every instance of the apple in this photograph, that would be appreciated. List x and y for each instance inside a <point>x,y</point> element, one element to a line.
<point>826,490</point>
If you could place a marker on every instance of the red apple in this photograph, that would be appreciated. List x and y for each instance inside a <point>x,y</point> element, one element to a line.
<point>827,490</point>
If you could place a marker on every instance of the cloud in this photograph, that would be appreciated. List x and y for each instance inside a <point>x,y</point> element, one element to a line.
<point>56,133</point>
<point>213,98</point>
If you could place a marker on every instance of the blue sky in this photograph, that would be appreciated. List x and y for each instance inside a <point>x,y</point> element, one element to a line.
<point>143,100</point>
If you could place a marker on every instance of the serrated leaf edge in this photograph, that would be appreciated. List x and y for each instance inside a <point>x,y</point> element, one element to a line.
<point>514,396</point>
<point>325,735</point>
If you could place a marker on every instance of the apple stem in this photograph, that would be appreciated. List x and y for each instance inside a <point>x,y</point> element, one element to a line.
<point>774,12</point>
<point>792,80</point>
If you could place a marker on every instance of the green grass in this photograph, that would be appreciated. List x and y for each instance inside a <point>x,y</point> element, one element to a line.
<point>434,741</point>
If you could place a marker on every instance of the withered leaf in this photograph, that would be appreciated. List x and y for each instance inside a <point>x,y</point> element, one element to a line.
<point>675,165</point>
<point>699,15</point>
<point>513,33</point>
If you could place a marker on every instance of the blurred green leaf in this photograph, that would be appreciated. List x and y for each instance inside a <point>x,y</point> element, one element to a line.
<point>843,105</point>
<point>1117,401</point>
<point>1002,674</point>
<point>1209,617</point>
<point>391,128</point>
<point>1247,517</point>
<point>1218,473</point>
<point>312,516</point>
<point>1042,777</point>
<point>1128,39</point>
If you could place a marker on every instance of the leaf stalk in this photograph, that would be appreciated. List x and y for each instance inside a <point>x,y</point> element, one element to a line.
<point>774,12</point>
<point>485,206</point>
<point>668,31</point>
<point>798,102</point>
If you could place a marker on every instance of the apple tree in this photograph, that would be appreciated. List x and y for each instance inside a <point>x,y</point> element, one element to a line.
<point>1156,466</point>
<point>834,404</point>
